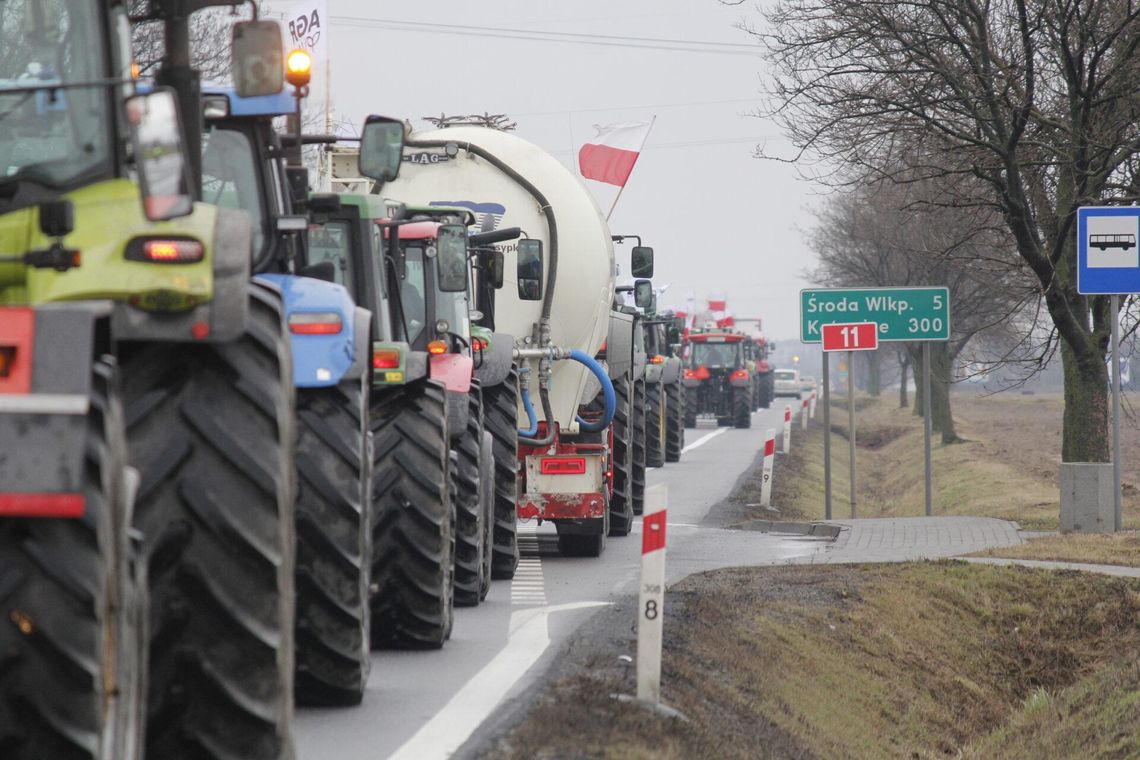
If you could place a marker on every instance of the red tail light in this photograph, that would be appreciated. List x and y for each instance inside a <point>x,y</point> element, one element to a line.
<point>762,366</point>
<point>658,359</point>
<point>740,374</point>
<point>478,344</point>
<point>165,251</point>
<point>690,374</point>
<point>701,373</point>
<point>315,323</point>
<point>564,466</point>
<point>385,358</point>
<point>42,505</point>
<point>437,347</point>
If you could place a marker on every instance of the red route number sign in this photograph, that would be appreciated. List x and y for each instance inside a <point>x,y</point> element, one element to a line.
<point>853,336</point>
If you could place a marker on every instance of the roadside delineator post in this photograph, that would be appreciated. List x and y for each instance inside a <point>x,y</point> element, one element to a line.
<point>651,600</point>
<point>804,415</point>
<point>811,407</point>
<point>787,430</point>
<point>769,463</point>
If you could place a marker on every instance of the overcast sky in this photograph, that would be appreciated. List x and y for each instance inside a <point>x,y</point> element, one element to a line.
<point>719,219</point>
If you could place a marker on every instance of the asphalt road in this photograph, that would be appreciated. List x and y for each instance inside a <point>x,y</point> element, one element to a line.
<point>423,705</point>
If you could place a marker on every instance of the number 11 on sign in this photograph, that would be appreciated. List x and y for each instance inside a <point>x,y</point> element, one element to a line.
<point>851,336</point>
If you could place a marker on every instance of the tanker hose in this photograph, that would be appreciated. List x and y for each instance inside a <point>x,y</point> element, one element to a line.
<point>607,388</point>
<point>546,440</point>
<point>532,418</point>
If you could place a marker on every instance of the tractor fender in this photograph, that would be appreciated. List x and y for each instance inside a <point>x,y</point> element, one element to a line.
<point>361,352</point>
<point>653,373</point>
<point>497,361</point>
<point>320,360</point>
<point>42,422</point>
<point>671,370</point>
<point>640,358</point>
<point>224,315</point>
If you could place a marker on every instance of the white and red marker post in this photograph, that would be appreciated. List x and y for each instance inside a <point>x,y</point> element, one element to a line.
<point>811,408</point>
<point>651,600</point>
<point>787,430</point>
<point>804,414</point>
<point>769,463</point>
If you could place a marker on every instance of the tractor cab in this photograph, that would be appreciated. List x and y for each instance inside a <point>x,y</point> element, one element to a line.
<point>717,380</point>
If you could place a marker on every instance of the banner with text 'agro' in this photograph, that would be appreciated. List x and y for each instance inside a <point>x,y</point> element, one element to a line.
<point>305,25</point>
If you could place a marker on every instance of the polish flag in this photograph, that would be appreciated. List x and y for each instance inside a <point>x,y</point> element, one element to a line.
<point>611,155</point>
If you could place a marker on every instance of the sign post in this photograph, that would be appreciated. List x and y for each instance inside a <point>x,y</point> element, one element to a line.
<point>826,436</point>
<point>927,413</point>
<point>1108,263</point>
<point>899,314</point>
<point>651,600</point>
<point>852,337</point>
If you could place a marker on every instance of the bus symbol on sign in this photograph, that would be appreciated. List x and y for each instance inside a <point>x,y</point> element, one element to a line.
<point>1104,242</point>
<point>853,336</point>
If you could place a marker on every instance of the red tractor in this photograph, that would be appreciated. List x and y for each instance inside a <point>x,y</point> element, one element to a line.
<point>718,382</point>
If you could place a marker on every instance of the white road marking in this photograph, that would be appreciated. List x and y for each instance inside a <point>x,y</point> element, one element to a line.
<point>451,726</point>
<point>703,439</point>
<point>529,584</point>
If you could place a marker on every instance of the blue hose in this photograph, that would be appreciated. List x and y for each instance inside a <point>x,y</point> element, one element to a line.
<point>531,416</point>
<point>607,388</point>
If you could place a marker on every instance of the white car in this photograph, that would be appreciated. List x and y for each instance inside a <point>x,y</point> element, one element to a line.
<point>787,382</point>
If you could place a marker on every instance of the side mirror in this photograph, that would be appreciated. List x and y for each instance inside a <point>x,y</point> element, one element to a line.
<point>381,148</point>
<point>643,294</point>
<point>160,154</point>
<point>641,261</point>
<point>530,269</point>
<point>495,269</point>
<point>258,66</point>
<point>451,258</point>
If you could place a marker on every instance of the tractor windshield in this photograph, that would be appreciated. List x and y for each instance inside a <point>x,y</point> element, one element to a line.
<point>713,355</point>
<point>230,177</point>
<point>329,242</point>
<point>412,291</point>
<point>52,137</point>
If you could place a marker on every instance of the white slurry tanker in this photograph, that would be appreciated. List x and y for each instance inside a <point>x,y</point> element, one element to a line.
<point>549,297</point>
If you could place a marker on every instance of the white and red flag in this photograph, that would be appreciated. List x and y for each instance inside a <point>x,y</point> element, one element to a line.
<point>610,156</point>
<point>718,306</point>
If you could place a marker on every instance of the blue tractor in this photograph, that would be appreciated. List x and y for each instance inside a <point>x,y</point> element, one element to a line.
<point>243,166</point>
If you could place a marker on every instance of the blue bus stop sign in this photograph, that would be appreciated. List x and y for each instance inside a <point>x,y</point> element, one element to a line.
<point>1108,252</point>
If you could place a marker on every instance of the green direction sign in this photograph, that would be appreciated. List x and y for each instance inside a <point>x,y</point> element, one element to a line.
<point>901,313</point>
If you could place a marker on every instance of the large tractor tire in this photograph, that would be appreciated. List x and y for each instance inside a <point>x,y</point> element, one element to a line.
<point>765,399</point>
<point>412,570</point>
<point>487,496</point>
<point>470,540</point>
<point>211,431</point>
<point>691,395</point>
<point>501,420</point>
<point>655,433</point>
<point>621,502</point>
<point>72,612</point>
<point>742,407</point>
<point>334,544</point>
<point>638,464</point>
<point>674,422</point>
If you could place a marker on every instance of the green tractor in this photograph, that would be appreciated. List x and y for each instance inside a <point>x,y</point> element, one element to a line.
<point>146,408</point>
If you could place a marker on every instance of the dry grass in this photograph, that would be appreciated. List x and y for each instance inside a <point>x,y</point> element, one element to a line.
<point>970,478</point>
<point>926,660</point>
<point>1094,548</point>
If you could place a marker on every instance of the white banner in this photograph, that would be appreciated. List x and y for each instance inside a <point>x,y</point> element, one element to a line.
<point>305,25</point>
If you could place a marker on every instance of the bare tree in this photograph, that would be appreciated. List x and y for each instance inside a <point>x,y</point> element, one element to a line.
<point>1038,100</point>
<point>210,34</point>
<point>880,233</point>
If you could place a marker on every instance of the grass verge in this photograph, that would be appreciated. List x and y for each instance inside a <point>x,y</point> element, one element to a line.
<point>1094,548</point>
<point>976,477</point>
<point>921,660</point>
